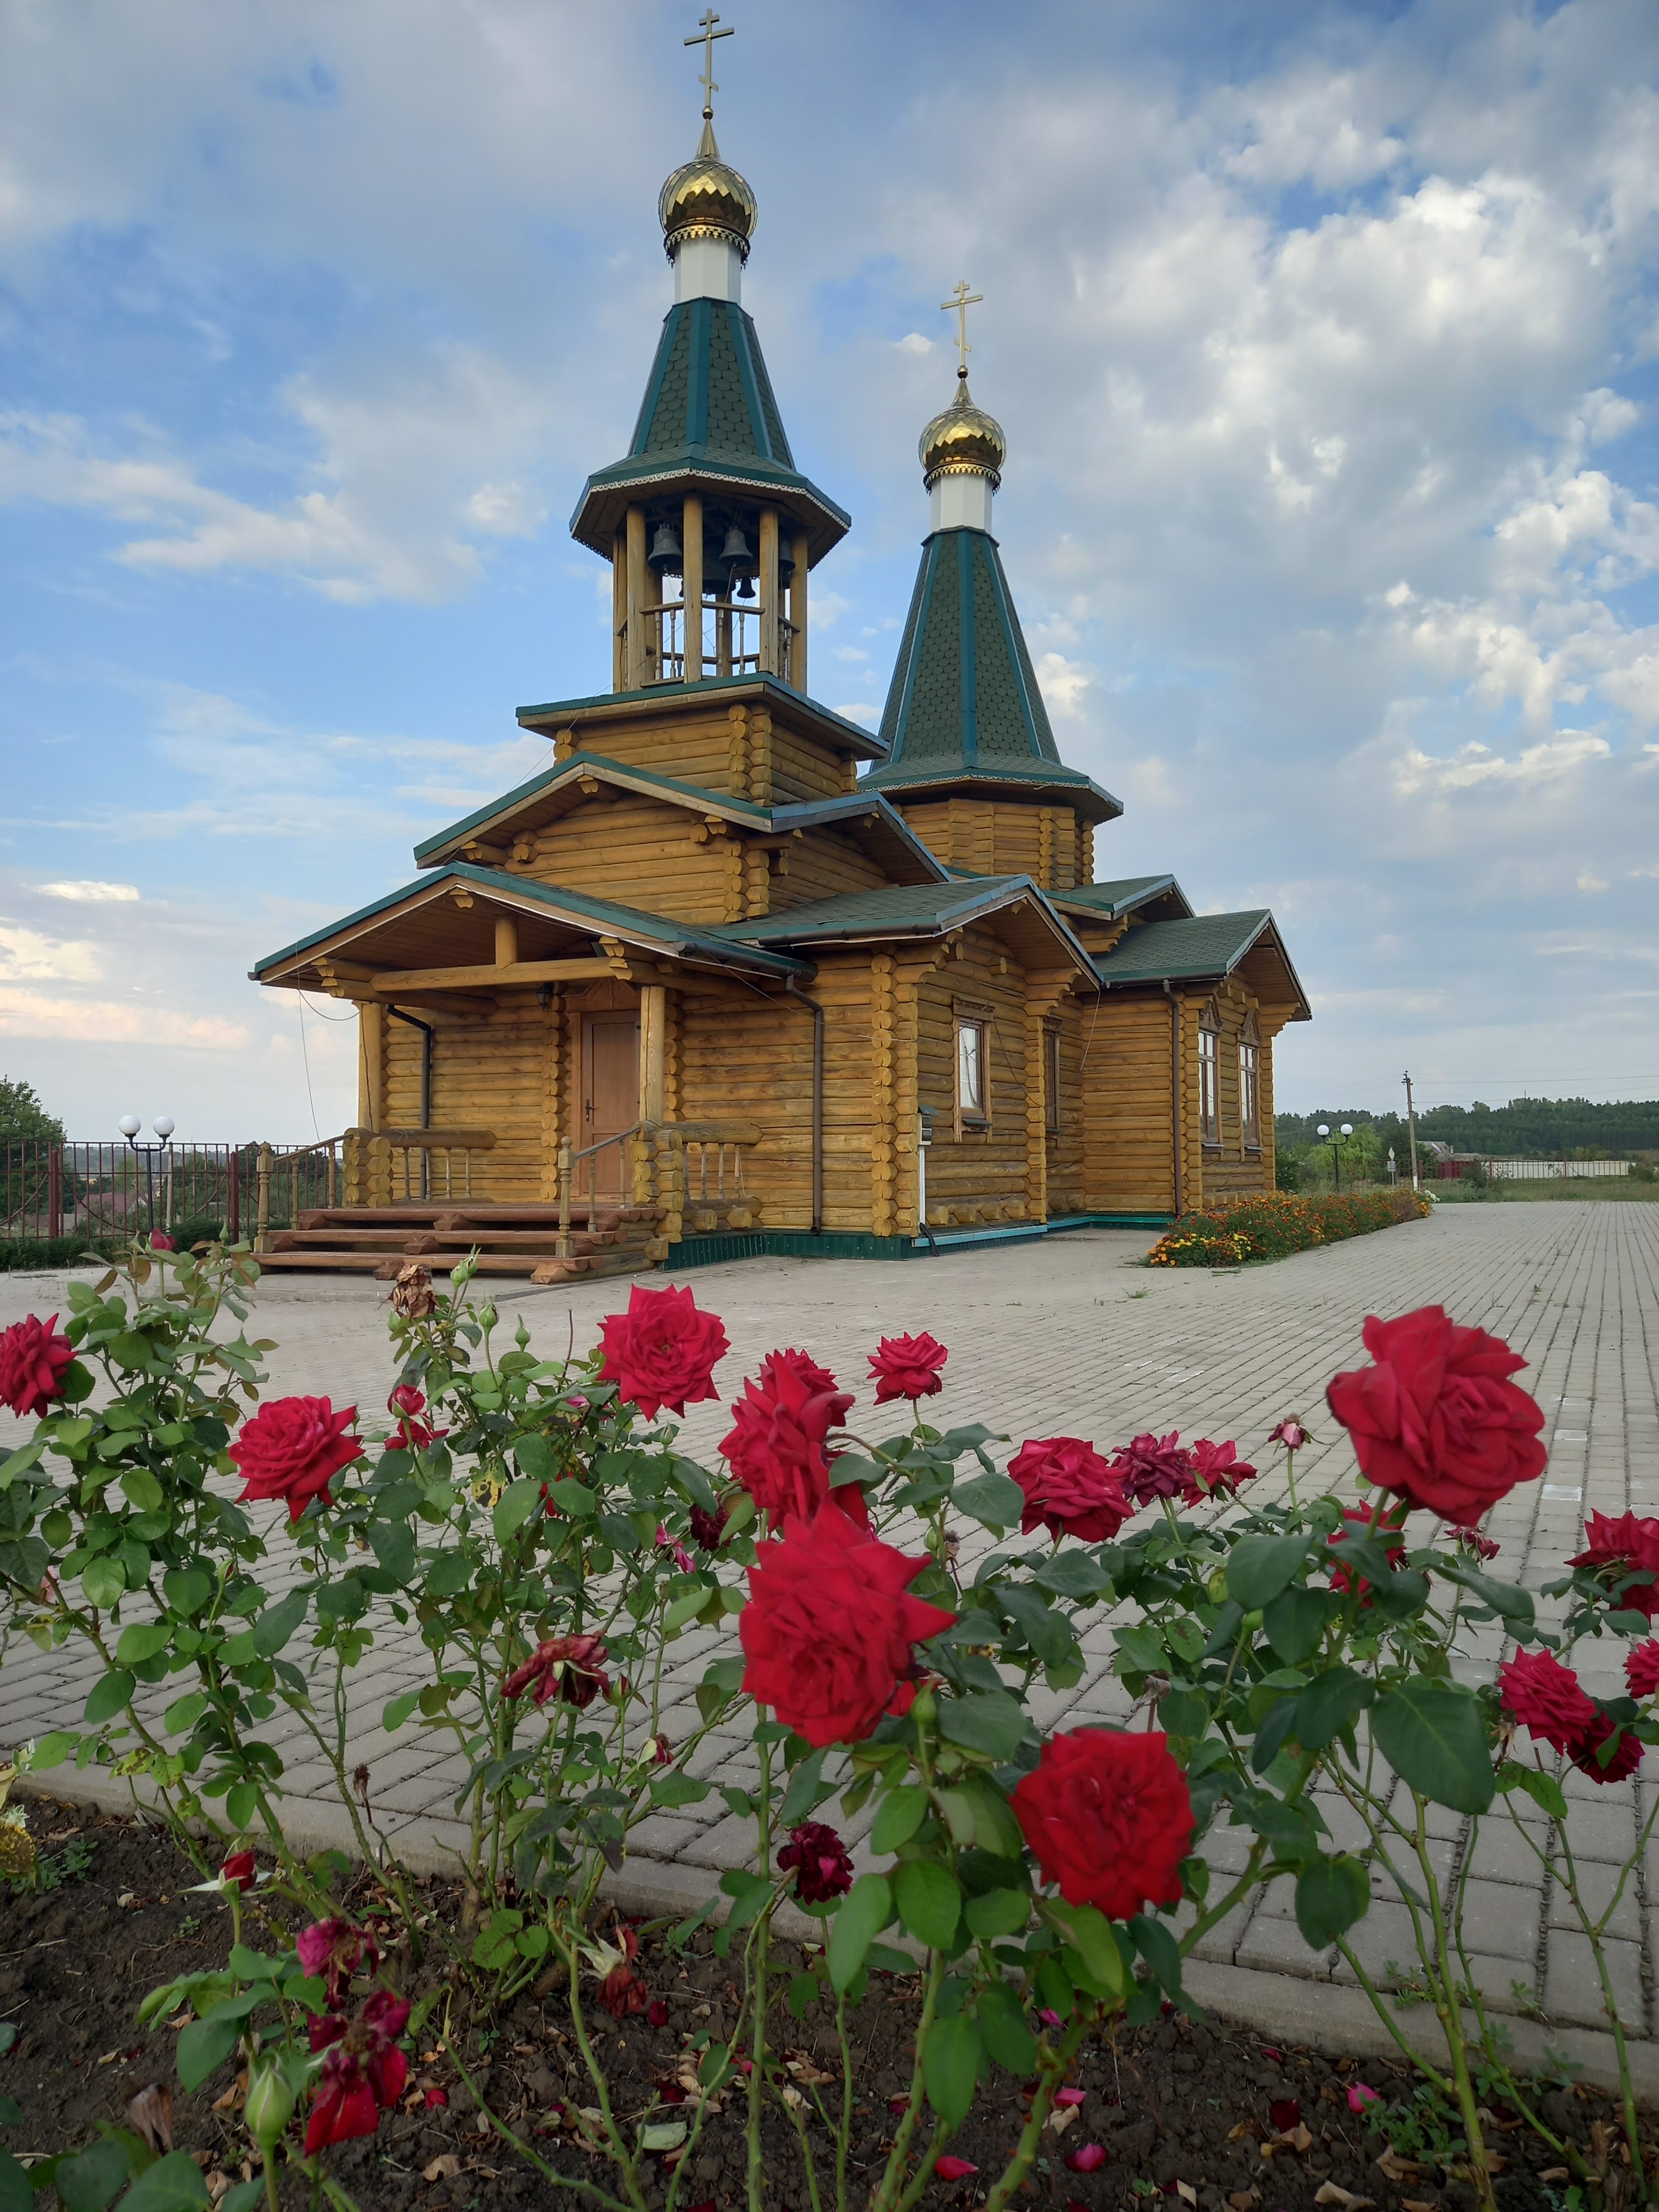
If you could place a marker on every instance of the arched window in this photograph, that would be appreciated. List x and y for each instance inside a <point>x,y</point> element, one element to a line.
<point>1249,1083</point>
<point>1209,1074</point>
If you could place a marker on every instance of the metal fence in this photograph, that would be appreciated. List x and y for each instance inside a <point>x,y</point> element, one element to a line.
<point>1452,1170</point>
<point>100,1190</point>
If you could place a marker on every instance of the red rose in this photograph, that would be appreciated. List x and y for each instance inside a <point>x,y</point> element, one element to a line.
<point>1642,1670</point>
<point>1110,1818</point>
<point>818,1859</point>
<point>565,1667</point>
<point>1547,1697</point>
<point>1624,1759</point>
<point>708,1530</point>
<point>1437,1418</point>
<point>158,1243</point>
<point>32,1357</point>
<point>335,1949</point>
<point>362,2075</point>
<point>1479,1546</point>
<point>776,1447</point>
<point>908,1367</point>
<point>1381,1524</point>
<point>1150,1467</point>
<point>1290,1433</point>
<point>828,1630</point>
<point>240,1868</point>
<point>1070,1490</point>
<point>1628,1546</point>
<point>409,1404</point>
<point>662,1351</point>
<point>1215,1467</point>
<point>800,1363</point>
<point>293,1449</point>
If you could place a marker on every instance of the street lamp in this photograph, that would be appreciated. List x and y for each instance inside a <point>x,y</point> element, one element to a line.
<point>1348,1131</point>
<point>163,1125</point>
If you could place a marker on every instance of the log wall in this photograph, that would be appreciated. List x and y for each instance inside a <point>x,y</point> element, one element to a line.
<point>1002,837</point>
<point>1124,1078</point>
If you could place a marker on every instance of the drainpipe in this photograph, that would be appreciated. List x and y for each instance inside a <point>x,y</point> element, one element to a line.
<point>398,1015</point>
<point>1175,1090</point>
<point>813,1008</point>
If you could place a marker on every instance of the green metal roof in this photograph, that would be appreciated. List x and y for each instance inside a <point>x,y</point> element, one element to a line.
<point>856,739</point>
<point>898,911</point>
<point>1209,946</point>
<point>660,931</point>
<point>1121,897</point>
<point>709,415</point>
<point>1033,780</point>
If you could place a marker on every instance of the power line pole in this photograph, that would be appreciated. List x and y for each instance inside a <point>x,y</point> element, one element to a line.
<point>1411,1124</point>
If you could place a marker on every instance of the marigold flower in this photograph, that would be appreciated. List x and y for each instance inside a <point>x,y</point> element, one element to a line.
<point>819,1861</point>
<point>33,1355</point>
<point>908,1367</point>
<point>1546,1697</point>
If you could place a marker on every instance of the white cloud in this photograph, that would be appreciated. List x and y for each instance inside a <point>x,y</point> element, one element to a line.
<point>91,894</point>
<point>87,1021</point>
<point>27,957</point>
<point>1064,685</point>
<point>1589,881</point>
<point>1475,763</point>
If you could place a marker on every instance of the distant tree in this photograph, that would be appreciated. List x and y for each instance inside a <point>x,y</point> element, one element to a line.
<point>22,1116</point>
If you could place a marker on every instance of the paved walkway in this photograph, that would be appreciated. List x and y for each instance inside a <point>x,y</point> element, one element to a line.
<point>1067,1338</point>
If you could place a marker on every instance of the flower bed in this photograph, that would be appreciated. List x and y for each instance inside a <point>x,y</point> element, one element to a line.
<point>1034,1890</point>
<point>1272,1225</point>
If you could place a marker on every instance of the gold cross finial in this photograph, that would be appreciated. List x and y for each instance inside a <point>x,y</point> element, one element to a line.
<point>959,302</point>
<point>705,37</point>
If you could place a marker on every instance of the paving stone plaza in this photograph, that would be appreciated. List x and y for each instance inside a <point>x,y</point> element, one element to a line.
<point>1068,1337</point>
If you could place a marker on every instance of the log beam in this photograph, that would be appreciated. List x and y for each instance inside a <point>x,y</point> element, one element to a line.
<point>399,982</point>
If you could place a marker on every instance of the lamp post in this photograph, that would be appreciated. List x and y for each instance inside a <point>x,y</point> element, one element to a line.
<point>163,1125</point>
<point>1348,1131</point>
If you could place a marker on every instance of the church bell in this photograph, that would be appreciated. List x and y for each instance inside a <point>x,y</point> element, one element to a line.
<point>665,557</point>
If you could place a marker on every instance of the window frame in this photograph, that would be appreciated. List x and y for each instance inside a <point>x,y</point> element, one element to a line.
<point>1051,1079</point>
<point>1209,1077</point>
<point>1250,1084</point>
<point>972,1116</point>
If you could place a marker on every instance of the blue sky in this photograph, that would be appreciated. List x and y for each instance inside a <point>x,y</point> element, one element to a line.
<point>1327,344</point>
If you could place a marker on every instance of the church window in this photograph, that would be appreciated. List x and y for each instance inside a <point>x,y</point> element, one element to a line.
<point>1249,1084</point>
<point>1209,1073</point>
<point>1051,1080</point>
<point>970,1071</point>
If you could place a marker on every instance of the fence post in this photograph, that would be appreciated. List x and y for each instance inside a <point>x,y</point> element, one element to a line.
<point>563,1248</point>
<point>263,1218</point>
<point>55,1190</point>
<point>234,1209</point>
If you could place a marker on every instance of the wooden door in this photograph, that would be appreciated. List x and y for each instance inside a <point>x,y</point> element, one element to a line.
<point>611,1096</point>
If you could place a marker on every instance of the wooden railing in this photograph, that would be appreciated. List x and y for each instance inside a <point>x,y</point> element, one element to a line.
<point>436,1163</point>
<point>733,648</point>
<point>569,1161</point>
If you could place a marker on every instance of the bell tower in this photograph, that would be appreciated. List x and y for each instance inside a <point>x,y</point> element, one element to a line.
<point>972,763</point>
<point>709,528</point>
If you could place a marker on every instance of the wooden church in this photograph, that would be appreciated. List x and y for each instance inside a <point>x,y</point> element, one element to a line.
<point>733,973</point>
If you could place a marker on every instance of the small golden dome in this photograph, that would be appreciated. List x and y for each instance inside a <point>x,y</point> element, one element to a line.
<point>706,199</point>
<point>963,441</point>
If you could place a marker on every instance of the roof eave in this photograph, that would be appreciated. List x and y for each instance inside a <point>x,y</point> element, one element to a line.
<point>558,714</point>
<point>608,492</point>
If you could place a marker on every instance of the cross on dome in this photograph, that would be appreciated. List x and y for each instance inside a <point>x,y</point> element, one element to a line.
<point>958,303</point>
<point>705,36</point>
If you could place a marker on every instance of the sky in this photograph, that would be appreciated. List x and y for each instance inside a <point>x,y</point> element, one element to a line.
<point>1325,337</point>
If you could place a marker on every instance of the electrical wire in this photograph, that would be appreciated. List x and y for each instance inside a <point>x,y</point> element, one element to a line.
<point>305,1055</point>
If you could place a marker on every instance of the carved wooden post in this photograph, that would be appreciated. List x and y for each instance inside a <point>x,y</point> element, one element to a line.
<point>797,611</point>
<point>637,573</point>
<point>506,940</point>
<point>565,1248</point>
<point>691,587</point>
<point>262,1231</point>
<point>769,634</point>
<point>618,614</point>
<point>653,1053</point>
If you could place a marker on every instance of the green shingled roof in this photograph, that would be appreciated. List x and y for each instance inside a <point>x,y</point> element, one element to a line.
<point>1120,897</point>
<point>896,910</point>
<point>1208,945</point>
<point>709,417</point>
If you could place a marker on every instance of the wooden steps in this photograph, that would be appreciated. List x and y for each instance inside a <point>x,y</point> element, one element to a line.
<point>607,1238</point>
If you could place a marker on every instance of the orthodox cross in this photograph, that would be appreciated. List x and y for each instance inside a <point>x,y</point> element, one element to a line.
<point>705,37</point>
<point>959,302</point>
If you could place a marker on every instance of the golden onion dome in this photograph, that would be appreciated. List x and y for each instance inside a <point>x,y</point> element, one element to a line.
<point>962,441</point>
<point>706,199</point>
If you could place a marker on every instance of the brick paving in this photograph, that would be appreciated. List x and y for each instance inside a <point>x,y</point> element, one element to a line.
<point>1068,1337</point>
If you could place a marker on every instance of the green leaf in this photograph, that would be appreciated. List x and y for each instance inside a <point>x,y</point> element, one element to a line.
<point>686,1606</point>
<point>1260,1567</point>
<point>1140,1650</point>
<point>206,2043</point>
<point>10,2111</point>
<point>143,1492</point>
<point>16,2190</point>
<point>52,1750</point>
<point>949,2067</point>
<point>182,1715</point>
<point>110,1695</point>
<point>187,1589</point>
<point>1002,2024</point>
<point>929,1899</point>
<point>864,1912</point>
<point>1073,1574</point>
<point>662,2135</point>
<point>88,2183</point>
<point>244,2196</point>
<point>1330,1702</point>
<point>998,1912</point>
<point>515,1505</point>
<point>995,1499</point>
<point>671,1789</point>
<point>989,1720</point>
<point>802,1794</point>
<point>1048,1633</point>
<point>393,1544</point>
<point>898,1816</point>
<point>1331,1894</point>
<point>1296,1621</point>
<point>398,1710</point>
<point>104,1581</point>
<point>1511,1604</point>
<point>241,1803</point>
<point>1544,1790</point>
<point>1092,1939</point>
<point>1184,1712</point>
<point>995,1827</point>
<point>174,2184</point>
<point>1434,1736</point>
<point>572,1498</point>
<point>278,1622</point>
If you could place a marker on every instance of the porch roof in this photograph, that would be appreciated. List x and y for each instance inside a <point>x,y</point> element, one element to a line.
<point>1205,948</point>
<point>419,924</point>
<point>909,910</point>
<point>1108,901</point>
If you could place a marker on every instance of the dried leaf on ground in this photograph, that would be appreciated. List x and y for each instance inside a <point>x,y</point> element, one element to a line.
<point>1328,2193</point>
<point>445,2167</point>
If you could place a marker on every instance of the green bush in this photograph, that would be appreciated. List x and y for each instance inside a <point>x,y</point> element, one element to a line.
<point>19,1254</point>
<point>1272,1225</point>
<point>1287,1172</point>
